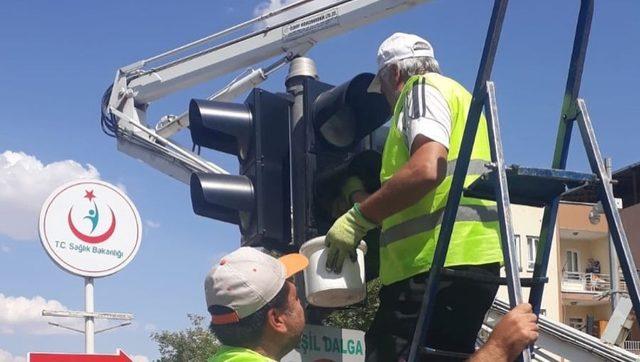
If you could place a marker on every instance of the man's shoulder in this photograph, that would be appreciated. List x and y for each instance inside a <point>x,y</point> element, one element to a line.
<point>437,78</point>
<point>438,85</point>
<point>432,83</point>
<point>424,96</point>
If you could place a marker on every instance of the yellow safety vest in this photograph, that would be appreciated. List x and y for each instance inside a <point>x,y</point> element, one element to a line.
<point>409,237</point>
<point>238,354</point>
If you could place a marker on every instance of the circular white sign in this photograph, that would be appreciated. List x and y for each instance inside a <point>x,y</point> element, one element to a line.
<point>90,228</point>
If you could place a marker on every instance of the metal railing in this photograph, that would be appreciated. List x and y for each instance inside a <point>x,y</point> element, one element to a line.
<point>558,340</point>
<point>632,346</point>
<point>588,282</point>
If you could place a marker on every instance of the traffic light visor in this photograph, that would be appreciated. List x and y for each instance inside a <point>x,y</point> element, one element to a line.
<point>221,126</point>
<point>222,197</point>
<point>343,115</point>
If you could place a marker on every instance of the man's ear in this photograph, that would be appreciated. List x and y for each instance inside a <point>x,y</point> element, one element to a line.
<point>275,320</point>
<point>396,73</point>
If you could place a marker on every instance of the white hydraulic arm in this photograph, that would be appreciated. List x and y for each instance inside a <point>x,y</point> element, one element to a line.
<point>284,33</point>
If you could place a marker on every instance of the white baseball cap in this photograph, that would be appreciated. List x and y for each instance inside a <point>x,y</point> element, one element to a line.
<point>246,280</point>
<point>397,47</point>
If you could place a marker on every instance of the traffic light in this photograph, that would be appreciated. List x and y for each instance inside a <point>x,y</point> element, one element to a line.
<point>257,199</point>
<point>330,144</point>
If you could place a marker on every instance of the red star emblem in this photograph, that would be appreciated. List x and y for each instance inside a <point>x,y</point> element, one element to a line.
<point>89,195</point>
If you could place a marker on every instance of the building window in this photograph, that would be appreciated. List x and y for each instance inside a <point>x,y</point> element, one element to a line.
<point>516,238</point>
<point>571,264</point>
<point>532,244</point>
<point>577,323</point>
<point>572,261</point>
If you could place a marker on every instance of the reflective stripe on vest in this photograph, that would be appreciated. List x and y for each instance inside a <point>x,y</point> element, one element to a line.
<point>417,225</point>
<point>408,237</point>
<point>422,223</point>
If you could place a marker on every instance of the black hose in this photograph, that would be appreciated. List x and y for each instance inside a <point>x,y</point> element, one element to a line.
<point>107,119</point>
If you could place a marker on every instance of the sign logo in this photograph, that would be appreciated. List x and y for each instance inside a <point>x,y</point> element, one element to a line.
<point>90,228</point>
<point>94,217</point>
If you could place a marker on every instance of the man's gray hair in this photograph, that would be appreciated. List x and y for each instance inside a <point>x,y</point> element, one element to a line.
<point>416,66</point>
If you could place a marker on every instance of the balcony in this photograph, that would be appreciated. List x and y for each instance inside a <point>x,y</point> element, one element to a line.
<point>632,346</point>
<point>592,283</point>
<point>577,282</point>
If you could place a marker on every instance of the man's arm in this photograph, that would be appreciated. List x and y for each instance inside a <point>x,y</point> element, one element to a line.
<point>426,168</point>
<point>426,126</point>
<point>515,331</point>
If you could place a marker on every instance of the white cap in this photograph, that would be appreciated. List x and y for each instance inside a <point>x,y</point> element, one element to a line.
<point>397,47</point>
<point>246,280</point>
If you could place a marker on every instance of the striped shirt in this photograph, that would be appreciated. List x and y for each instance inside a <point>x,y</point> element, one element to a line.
<point>425,112</point>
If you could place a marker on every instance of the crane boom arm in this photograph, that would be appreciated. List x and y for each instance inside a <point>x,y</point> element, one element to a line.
<point>289,32</point>
<point>285,37</point>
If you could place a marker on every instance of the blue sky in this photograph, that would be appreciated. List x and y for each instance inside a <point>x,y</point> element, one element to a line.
<point>58,57</point>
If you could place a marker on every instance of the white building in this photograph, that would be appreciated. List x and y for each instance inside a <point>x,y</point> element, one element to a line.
<point>579,274</point>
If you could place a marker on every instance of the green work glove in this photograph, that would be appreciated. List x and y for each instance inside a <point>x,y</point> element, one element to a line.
<point>344,236</point>
<point>343,202</point>
<point>351,185</point>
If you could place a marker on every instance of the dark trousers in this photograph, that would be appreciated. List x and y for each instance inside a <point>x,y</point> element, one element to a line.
<point>458,315</point>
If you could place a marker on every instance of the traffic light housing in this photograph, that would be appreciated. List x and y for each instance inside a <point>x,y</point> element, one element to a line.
<point>327,147</point>
<point>257,199</point>
<point>343,116</point>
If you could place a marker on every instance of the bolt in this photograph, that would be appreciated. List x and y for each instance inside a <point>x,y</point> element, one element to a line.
<point>491,165</point>
<point>125,92</point>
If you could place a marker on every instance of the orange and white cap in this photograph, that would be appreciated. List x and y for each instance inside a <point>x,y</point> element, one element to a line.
<point>246,280</point>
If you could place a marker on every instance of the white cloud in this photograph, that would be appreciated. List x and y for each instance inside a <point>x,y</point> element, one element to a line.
<point>137,358</point>
<point>152,224</point>
<point>5,249</point>
<point>267,6</point>
<point>24,315</point>
<point>25,183</point>
<point>270,5</point>
<point>122,187</point>
<point>5,356</point>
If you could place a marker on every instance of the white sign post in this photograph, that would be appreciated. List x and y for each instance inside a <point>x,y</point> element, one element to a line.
<point>92,229</point>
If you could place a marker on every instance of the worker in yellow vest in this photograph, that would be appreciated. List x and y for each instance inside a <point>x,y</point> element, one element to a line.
<point>254,306</point>
<point>429,117</point>
<point>257,316</point>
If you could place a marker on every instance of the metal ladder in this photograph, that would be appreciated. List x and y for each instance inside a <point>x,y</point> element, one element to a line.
<point>523,185</point>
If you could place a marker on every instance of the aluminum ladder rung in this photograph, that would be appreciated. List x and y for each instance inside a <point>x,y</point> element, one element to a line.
<point>448,274</point>
<point>530,186</point>
<point>442,353</point>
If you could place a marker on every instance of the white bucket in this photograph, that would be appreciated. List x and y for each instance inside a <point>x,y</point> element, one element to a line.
<point>328,289</point>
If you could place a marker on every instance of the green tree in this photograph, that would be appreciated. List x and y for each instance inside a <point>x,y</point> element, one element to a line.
<point>195,343</point>
<point>359,317</point>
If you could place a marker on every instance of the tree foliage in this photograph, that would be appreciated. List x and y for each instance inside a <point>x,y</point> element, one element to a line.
<point>359,317</point>
<point>195,343</point>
